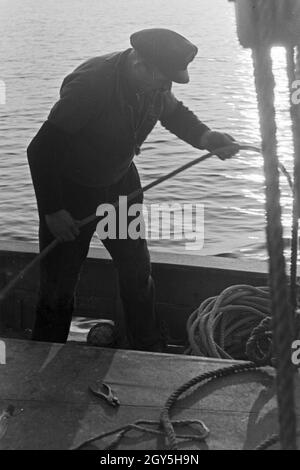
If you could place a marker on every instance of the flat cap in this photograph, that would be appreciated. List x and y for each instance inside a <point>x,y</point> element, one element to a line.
<point>168,51</point>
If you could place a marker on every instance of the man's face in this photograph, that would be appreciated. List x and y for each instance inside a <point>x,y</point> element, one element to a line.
<point>147,77</point>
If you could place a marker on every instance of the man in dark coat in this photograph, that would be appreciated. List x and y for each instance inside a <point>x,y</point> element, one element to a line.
<point>83,156</point>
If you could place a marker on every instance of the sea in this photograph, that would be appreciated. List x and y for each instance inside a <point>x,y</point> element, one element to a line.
<point>41,42</point>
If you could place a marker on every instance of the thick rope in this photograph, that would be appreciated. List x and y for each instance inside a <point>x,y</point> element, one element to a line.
<point>268,442</point>
<point>281,311</point>
<point>205,377</point>
<point>295,118</point>
<point>233,325</point>
<point>259,347</point>
<point>167,425</point>
<point>143,427</point>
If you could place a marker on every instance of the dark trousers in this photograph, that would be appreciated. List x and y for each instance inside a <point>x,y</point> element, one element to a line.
<point>59,271</point>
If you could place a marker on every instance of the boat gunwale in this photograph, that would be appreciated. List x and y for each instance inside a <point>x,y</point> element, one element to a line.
<point>158,257</point>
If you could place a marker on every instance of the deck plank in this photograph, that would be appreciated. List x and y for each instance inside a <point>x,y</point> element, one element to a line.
<point>50,383</point>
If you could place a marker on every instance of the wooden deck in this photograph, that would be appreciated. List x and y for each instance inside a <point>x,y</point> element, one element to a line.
<point>50,383</point>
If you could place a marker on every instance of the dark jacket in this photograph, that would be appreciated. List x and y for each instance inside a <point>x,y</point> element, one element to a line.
<point>96,128</point>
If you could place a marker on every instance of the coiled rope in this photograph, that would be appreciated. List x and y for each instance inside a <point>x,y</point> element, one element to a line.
<point>222,325</point>
<point>234,325</point>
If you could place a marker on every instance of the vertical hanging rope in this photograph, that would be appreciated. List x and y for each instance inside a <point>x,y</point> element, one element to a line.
<point>295,118</point>
<point>281,311</point>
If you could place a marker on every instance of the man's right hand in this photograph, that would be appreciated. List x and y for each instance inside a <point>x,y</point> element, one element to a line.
<point>62,226</point>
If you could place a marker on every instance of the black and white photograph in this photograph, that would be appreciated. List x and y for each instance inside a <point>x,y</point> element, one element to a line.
<point>149,227</point>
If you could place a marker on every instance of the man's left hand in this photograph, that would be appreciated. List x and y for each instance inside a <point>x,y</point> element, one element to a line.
<point>213,140</point>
